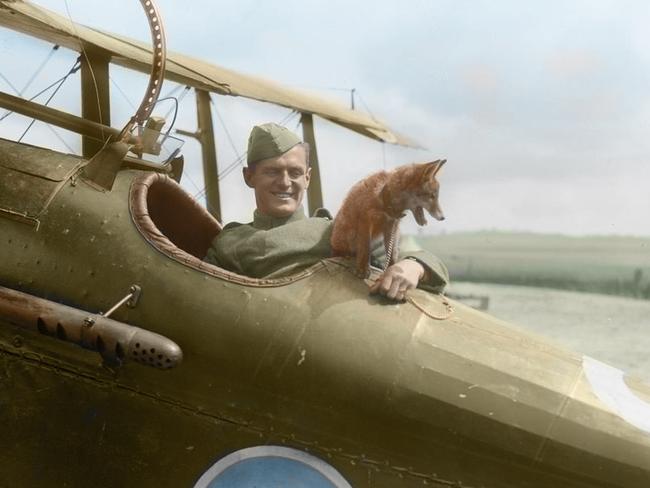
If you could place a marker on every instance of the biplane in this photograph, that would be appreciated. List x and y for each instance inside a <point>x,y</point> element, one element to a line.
<point>126,360</point>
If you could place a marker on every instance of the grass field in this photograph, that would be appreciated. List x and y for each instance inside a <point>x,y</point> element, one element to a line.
<point>612,329</point>
<point>602,264</point>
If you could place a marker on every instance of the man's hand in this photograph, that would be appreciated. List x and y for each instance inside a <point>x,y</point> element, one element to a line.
<point>398,279</point>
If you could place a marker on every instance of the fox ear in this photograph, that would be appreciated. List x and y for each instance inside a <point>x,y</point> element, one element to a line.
<point>432,168</point>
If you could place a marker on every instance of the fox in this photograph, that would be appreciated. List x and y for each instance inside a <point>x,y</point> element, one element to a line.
<point>374,206</point>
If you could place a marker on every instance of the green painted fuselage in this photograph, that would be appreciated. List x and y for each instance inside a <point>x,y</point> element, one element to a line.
<point>384,393</point>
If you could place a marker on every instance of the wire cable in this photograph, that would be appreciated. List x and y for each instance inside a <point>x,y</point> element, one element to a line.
<point>365,105</point>
<point>63,141</point>
<point>72,70</point>
<point>11,85</point>
<point>39,69</point>
<point>20,92</point>
<point>32,78</point>
<point>172,91</point>
<point>225,129</point>
<point>233,165</point>
<point>90,66</point>
<point>124,95</point>
<point>178,100</point>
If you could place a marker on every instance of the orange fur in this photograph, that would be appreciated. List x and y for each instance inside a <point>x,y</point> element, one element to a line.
<point>374,204</point>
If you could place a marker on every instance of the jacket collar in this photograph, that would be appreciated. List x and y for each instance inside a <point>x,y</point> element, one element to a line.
<point>266,222</point>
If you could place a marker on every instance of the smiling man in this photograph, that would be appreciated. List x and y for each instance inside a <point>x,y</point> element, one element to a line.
<point>279,181</point>
<point>281,240</point>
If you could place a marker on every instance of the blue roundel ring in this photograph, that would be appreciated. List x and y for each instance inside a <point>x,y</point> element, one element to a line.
<point>270,467</point>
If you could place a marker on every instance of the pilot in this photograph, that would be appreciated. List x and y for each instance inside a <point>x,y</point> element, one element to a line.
<point>281,240</point>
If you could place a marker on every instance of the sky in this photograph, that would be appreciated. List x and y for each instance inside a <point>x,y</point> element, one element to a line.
<point>540,107</point>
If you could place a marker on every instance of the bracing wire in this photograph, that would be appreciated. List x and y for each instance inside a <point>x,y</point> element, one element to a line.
<point>29,83</point>
<point>175,108</point>
<point>225,129</point>
<point>365,105</point>
<point>172,93</point>
<point>240,158</point>
<point>229,169</point>
<point>32,78</point>
<point>8,82</point>
<point>124,95</point>
<point>63,141</point>
<point>169,96</point>
<point>90,66</point>
<point>186,90</point>
<point>74,69</point>
<point>62,81</point>
<point>39,69</point>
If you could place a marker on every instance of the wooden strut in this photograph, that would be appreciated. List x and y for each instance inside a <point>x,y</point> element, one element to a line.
<point>59,118</point>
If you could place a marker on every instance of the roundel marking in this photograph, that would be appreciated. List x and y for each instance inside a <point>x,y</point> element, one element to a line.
<point>609,386</point>
<point>271,467</point>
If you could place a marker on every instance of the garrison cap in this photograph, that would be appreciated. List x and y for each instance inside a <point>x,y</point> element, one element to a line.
<point>268,141</point>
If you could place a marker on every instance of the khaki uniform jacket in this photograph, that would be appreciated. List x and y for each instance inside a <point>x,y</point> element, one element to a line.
<point>271,247</point>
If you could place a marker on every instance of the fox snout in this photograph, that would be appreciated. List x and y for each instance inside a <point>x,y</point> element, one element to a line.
<point>437,214</point>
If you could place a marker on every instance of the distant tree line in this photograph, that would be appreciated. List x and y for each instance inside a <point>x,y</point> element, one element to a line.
<point>614,265</point>
<point>634,286</point>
